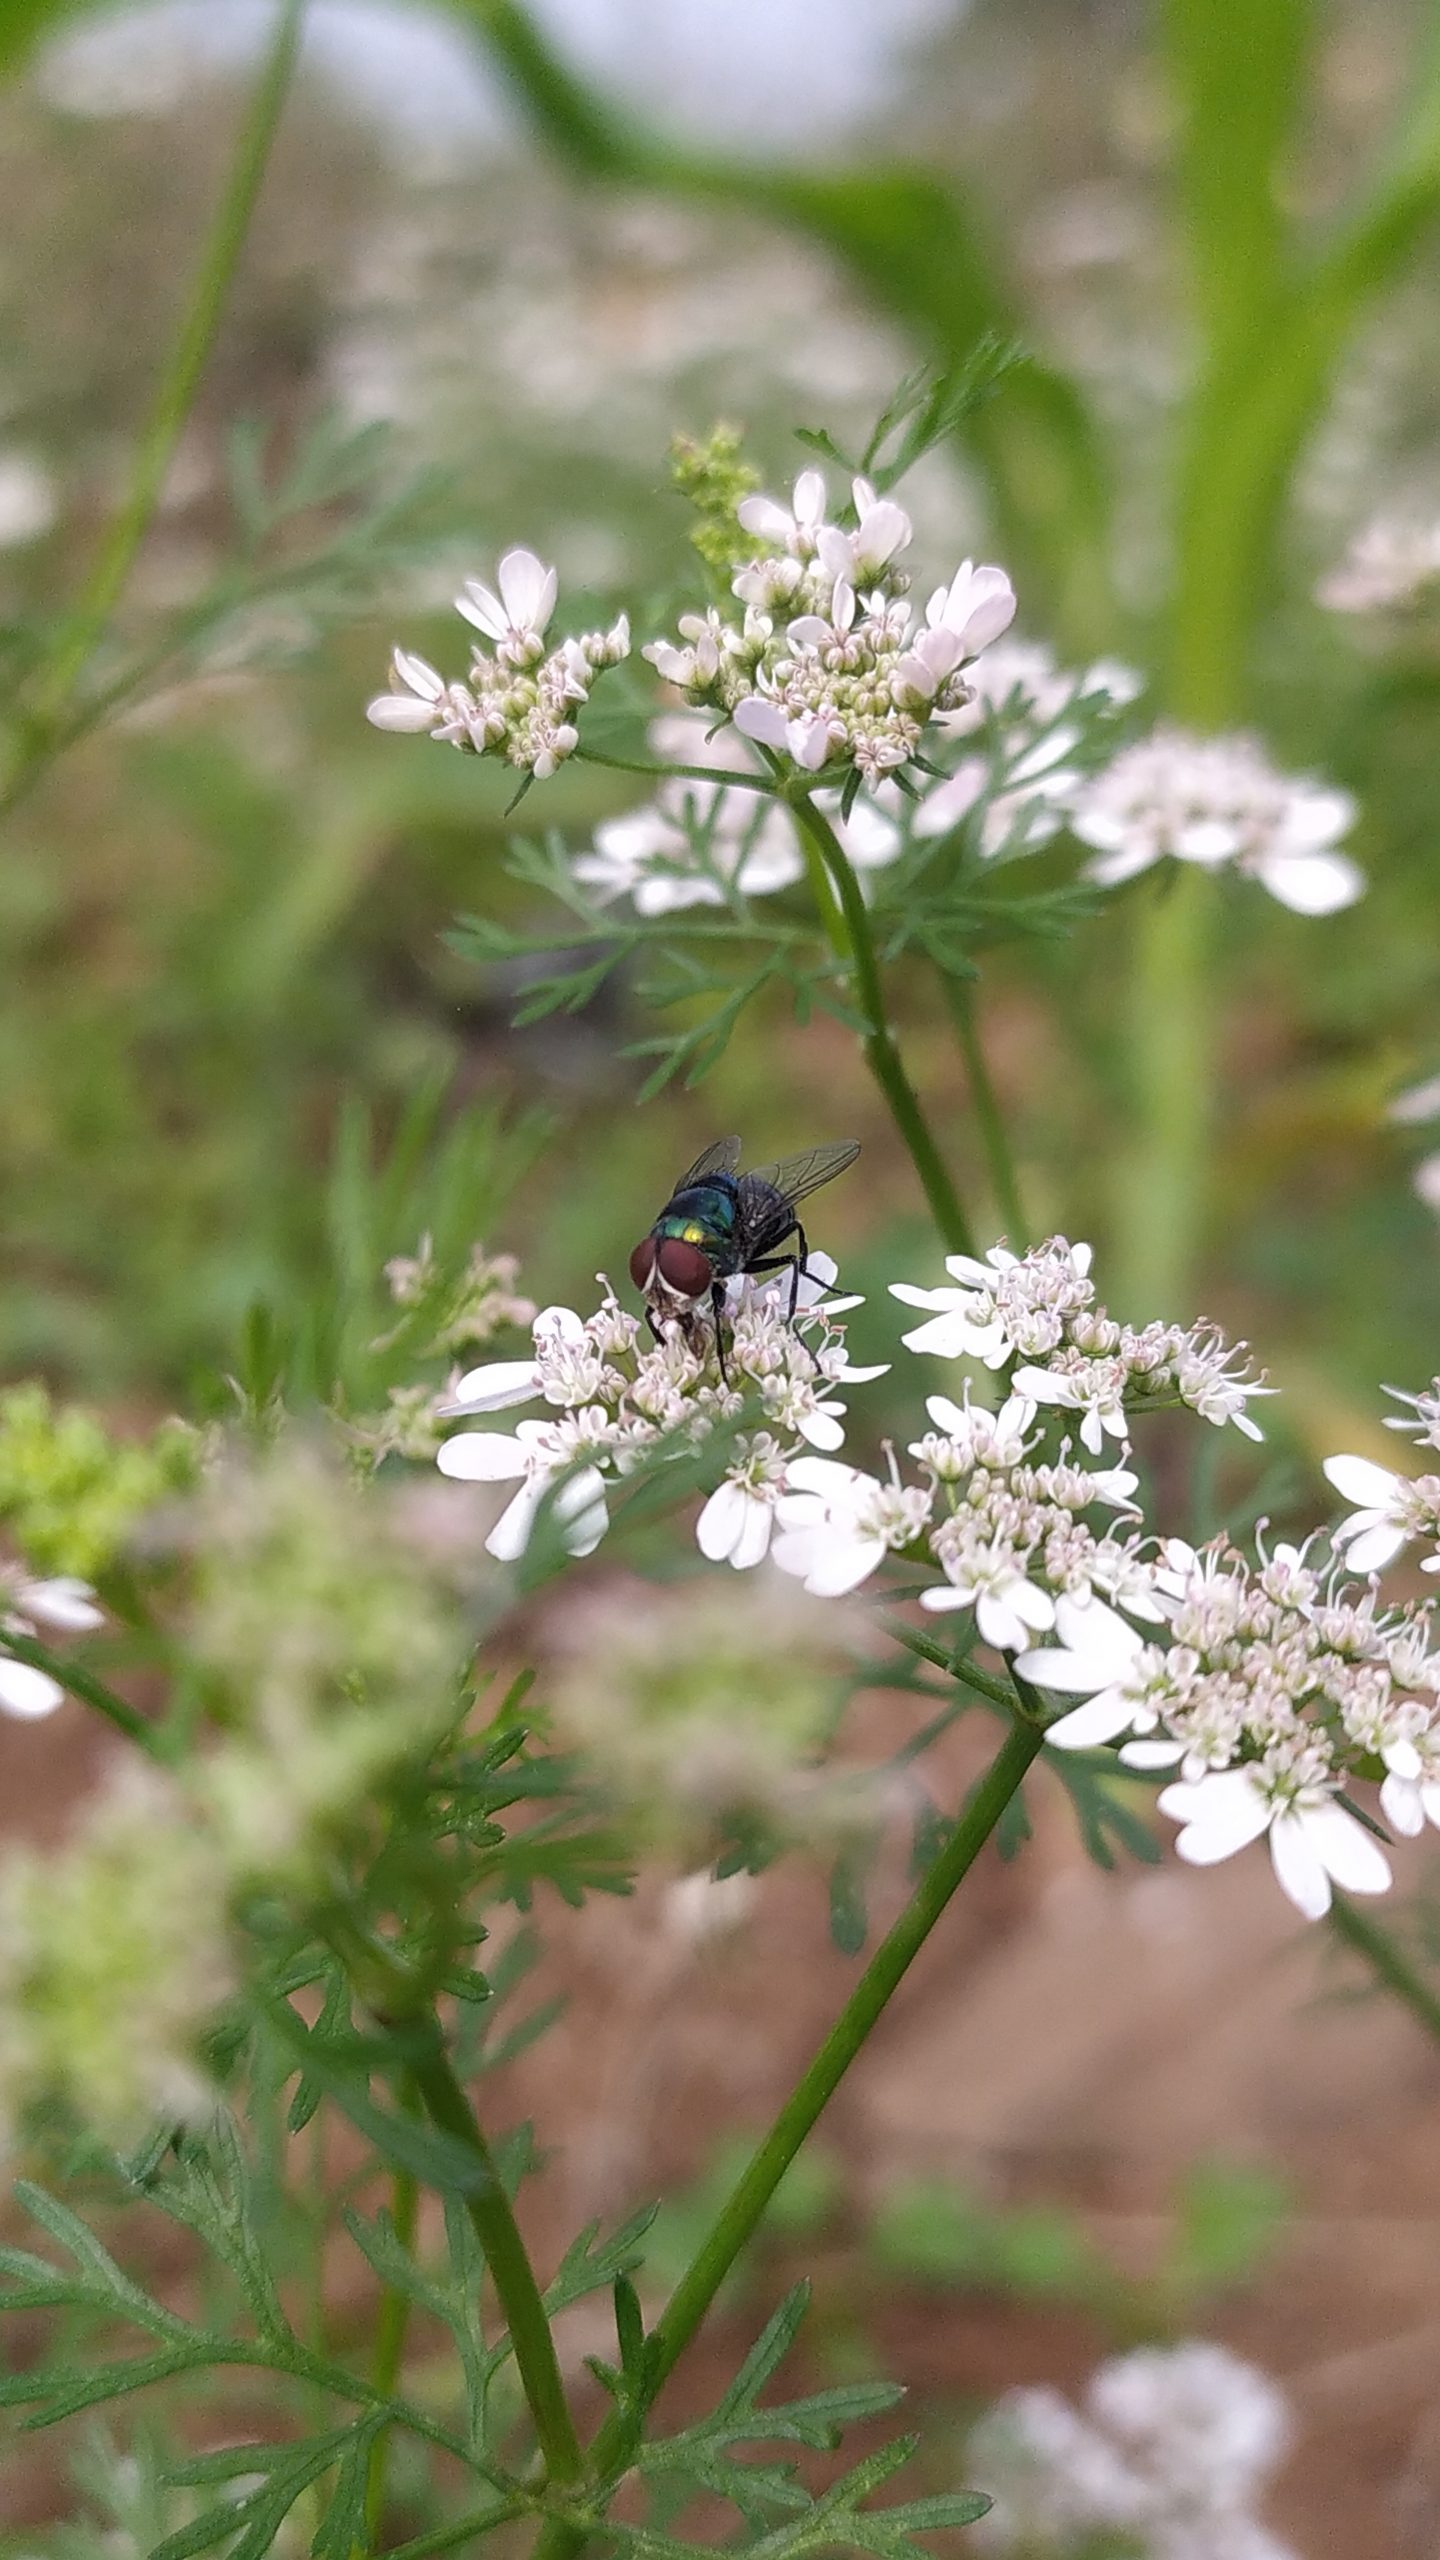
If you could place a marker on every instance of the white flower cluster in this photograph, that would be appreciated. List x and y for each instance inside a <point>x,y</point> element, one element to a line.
<point>614,1398</point>
<point>1392,1509</point>
<point>1171,2450</point>
<point>518,702</point>
<point>826,664</point>
<point>59,1606</point>
<point>1392,566</point>
<point>1214,801</point>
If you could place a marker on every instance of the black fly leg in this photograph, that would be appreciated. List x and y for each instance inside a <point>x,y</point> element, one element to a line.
<point>717,1310</point>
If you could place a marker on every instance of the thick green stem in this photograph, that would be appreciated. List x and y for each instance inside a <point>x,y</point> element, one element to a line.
<point>228,232</point>
<point>392,2321</point>
<point>395,1995</point>
<point>853,942</point>
<point>740,2215</point>
<point>998,1158</point>
<point>1162,1181</point>
<point>1387,1961</point>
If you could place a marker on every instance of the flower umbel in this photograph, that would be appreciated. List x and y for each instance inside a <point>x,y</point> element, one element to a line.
<point>517,702</point>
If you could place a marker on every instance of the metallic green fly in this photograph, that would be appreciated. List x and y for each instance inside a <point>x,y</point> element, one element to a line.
<point>718,1222</point>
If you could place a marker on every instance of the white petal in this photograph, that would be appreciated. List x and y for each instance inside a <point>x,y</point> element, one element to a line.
<point>1299,1868</point>
<point>765,517</point>
<point>753,1543</point>
<point>810,497</point>
<point>492,1387</point>
<point>26,1692</point>
<point>842,1564</point>
<point>1311,884</point>
<point>1146,1755</point>
<point>64,1602</point>
<point>1348,1851</point>
<point>764,721</point>
<point>1361,1480</point>
<point>1100,1720</point>
<point>1374,1549</point>
<point>510,1536</point>
<point>718,1529</point>
<point>400,711</point>
<point>528,590</point>
<point>1401,1804</point>
<point>822,1430</point>
<point>943,1597</point>
<point>482,607</point>
<point>481,1457</point>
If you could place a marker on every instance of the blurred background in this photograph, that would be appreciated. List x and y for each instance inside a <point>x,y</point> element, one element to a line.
<point>223,912</point>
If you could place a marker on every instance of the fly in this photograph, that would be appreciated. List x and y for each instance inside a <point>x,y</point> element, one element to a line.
<point>718,1222</point>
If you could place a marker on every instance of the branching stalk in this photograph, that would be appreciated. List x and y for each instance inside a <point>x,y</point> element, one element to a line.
<point>847,923</point>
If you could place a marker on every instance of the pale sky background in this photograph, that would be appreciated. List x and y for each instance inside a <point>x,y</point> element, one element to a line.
<point>746,72</point>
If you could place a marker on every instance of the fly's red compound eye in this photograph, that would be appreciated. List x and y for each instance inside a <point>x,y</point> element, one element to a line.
<point>642,1263</point>
<point>684,1268</point>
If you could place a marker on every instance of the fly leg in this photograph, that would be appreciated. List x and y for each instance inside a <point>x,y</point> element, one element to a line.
<point>717,1310</point>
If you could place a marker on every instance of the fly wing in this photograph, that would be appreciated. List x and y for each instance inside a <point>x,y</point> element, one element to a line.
<point>720,1157</point>
<point>795,1176</point>
<point>769,1192</point>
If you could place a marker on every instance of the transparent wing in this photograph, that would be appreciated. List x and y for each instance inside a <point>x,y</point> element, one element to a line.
<point>795,1176</point>
<point>722,1156</point>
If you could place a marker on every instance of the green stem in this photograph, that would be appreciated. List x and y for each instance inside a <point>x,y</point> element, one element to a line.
<point>395,1996</point>
<point>739,2216</point>
<point>852,940</point>
<point>1161,1206</point>
<point>391,2324</point>
<point>176,394</point>
<point>1387,1961</point>
<point>738,781</point>
<point>469,2528</point>
<point>94,1693</point>
<point>1000,1162</point>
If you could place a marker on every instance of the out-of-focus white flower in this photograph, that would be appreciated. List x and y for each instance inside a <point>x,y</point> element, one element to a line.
<point>1170,2452</point>
<point>1214,801</point>
<point>1392,565</point>
<point>60,1605</point>
<point>27,499</point>
<point>1314,1842</point>
<point>1393,1510</point>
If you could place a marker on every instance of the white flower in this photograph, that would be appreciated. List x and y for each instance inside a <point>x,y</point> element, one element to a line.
<point>1006,1303</point>
<point>838,1524</point>
<point>539,1454</point>
<point>1410,1791</point>
<point>61,1603</point>
<point>1093,1388</point>
<point>1216,800</point>
<point>1009,1608</point>
<point>1393,1509</point>
<point>736,1523</point>
<point>963,618</point>
<point>419,697</point>
<point>795,527</point>
<point>522,609</point>
<point>1314,1842</point>
<point>1103,1660</point>
<point>693,839</point>
<point>1392,564</point>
